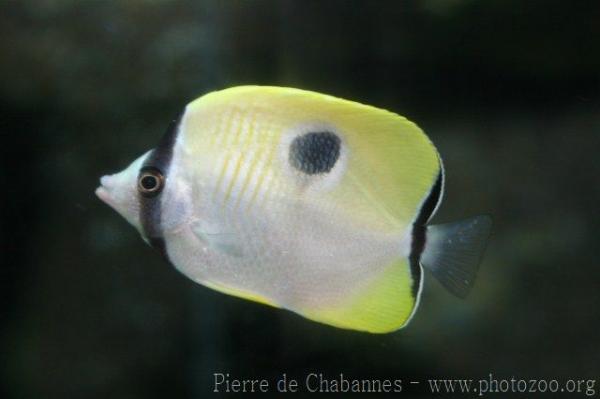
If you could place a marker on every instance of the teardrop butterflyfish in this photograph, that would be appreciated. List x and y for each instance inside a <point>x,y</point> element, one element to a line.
<point>302,201</point>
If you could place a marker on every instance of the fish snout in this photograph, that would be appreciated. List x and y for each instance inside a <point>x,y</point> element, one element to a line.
<point>105,190</point>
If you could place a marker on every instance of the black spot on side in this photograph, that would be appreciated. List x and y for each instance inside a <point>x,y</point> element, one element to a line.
<point>150,207</point>
<point>418,233</point>
<point>315,152</point>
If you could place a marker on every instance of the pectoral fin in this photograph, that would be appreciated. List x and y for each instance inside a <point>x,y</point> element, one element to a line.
<point>220,241</point>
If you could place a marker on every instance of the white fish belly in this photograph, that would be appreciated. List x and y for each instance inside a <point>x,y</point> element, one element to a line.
<point>291,253</point>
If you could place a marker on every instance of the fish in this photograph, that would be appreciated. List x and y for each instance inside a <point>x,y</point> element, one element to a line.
<point>301,201</point>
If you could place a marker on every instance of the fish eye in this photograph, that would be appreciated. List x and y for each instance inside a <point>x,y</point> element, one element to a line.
<point>150,182</point>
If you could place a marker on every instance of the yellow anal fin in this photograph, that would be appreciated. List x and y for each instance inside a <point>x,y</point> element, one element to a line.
<point>240,293</point>
<point>384,305</point>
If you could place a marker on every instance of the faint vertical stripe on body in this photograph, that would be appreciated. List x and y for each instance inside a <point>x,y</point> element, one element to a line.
<point>265,170</point>
<point>239,130</point>
<point>223,145</point>
<point>254,154</point>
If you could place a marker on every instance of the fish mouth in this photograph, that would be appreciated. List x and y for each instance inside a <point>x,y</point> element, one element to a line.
<point>103,192</point>
<point>115,192</point>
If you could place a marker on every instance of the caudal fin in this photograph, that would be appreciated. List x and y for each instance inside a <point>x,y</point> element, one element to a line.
<point>453,251</point>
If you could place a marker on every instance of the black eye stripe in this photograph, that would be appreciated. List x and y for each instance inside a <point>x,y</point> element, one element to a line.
<point>158,162</point>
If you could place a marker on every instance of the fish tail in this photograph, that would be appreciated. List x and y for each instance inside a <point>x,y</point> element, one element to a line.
<point>453,252</point>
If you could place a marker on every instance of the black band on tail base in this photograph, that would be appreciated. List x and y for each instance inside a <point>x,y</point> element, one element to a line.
<point>418,233</point>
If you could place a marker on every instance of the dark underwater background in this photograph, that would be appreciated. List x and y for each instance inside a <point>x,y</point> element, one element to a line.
<point>508,90</point>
